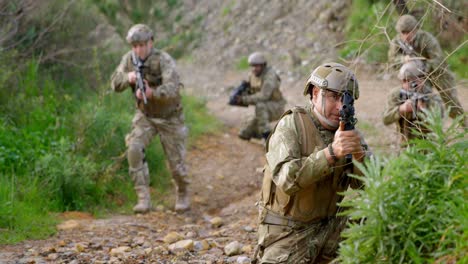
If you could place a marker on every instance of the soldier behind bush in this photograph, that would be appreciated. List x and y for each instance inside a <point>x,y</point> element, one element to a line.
<point>414,43</point>
<point>161,115</point>
<point>405,104</point>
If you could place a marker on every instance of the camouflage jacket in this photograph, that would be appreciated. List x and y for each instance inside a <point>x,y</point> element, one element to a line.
<point>303,185</point>
<point>265,87</point>
<point>424,45</point>
<point>407,122</point>
<point>160,72</point>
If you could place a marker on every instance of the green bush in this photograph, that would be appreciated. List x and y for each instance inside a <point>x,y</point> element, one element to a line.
<point>413,208</point>
<point>242,64</point>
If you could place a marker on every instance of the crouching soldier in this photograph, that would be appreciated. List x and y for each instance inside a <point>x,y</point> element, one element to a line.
<point>306,170</point>
<point>263,91</point>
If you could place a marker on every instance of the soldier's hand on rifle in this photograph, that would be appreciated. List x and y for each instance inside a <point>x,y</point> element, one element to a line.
<point>347,142</point>
<point>406,107</point>
<point>421,105</point>
<point>148,93</point>
<point>131,77</point>
<point>407,58</point>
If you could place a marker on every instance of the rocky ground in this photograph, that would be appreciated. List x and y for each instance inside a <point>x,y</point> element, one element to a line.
<point>226,176</point>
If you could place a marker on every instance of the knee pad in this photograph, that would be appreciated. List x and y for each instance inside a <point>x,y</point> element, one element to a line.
<point>135,155</point>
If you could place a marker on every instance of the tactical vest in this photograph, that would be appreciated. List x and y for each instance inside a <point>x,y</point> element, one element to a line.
<point>317,201</point>
<point>156,107</point>
<point>256,84</point>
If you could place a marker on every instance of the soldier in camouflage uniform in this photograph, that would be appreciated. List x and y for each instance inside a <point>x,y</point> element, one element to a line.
<point>306,171</point>
<point>162,115</point>
<point>405,105</point>
<point>264,92</point>
<point>413,43</point>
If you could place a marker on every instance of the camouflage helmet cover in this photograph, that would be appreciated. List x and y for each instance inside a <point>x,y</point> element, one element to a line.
<point>256,58</point>
<point>411,70</point>
<point>333,76</point>
<point>139,33</point>
<point>406,23</point>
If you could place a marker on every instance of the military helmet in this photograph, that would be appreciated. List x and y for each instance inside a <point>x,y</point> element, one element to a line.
<point>333,76</point>
<point>406,23</point>
<point>256,58</point>
<point>411,70</point>
<point>139,33</point>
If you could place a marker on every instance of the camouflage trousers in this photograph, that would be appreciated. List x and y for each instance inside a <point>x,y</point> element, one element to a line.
<point>444,82</point>
<point>172,133</point>
<point>314,243</point>
<point>258,124</point>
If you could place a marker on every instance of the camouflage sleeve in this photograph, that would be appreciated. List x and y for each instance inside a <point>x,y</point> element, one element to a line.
<point>170,78</point>
<point>119,79</point>
<point>270,83</point>
<point>395,56</point>
<point>391,113</point>
<point>290,171</point>
<point>432,52</point>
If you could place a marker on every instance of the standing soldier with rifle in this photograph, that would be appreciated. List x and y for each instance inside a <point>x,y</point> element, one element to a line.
<point>405,105</point>
<point>263,91</point>
<point>414,43</point>
<point>307,169</point>
<point>155,84</point>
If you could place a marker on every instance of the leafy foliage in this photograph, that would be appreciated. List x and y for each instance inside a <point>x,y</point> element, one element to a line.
<point>413,208</point>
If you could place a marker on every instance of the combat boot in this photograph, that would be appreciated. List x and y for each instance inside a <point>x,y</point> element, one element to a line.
<point>182,198</point>
<point>144,200</point>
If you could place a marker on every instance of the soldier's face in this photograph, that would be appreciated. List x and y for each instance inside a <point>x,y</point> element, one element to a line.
<point>331,102</point>
<point>142,49</point>
<point>256,69</point>
<point>414,84</point>
<point>407,36</point>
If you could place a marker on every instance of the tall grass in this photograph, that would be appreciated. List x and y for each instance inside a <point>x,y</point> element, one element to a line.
<point>413,208</point>
<point>60,151</point>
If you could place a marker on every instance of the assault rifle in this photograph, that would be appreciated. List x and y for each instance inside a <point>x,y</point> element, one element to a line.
<point>237,92</point>
<point>347,116</point>
<point>414,97</point>
<point>407,48</point>
<point>140,85</point>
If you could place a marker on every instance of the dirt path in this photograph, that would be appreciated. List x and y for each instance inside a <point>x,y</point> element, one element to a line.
<point>226,176</point>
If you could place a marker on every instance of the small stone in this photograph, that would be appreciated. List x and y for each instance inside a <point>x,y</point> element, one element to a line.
<point>62,243</point>
<point>80,247</point>
<point>67,225</point>
<point>172,237</point>
<point>201,245</point>
<point>181,245</point>
<point>216,221</point>
<point>233,248</point>
<point>243,260</point>
<point>247,249</point>
<point>148,251</point>
<point>52,256</point>
<point>191,234</point>
<point>160,208</point>
<point>248,229</point>
<point>119,251</point>
<point>139,240</point>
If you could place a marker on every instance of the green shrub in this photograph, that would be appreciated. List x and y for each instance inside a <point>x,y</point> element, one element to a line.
<point>23,210</point>
<point>413,208</point>
<point>242,64</point>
